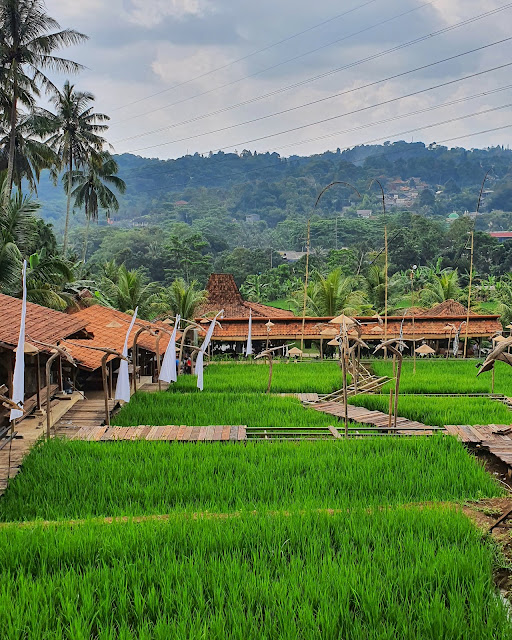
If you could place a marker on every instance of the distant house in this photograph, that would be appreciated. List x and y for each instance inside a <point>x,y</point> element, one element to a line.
<point>252,218</point>
<point>364,213</point>
<point>501,236</point>
<point>291,256</point>
<point>180,203</point>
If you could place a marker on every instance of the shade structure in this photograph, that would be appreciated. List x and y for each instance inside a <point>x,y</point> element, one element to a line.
<point>377,329</point>
<point>28,349</point>
<point>424,350</point>
<point>499,338</point>
<point>294,351</point>
<point>333,343</point>
<point>114,325</point>
<point>329,331</point>
<point>269,325</point>
<point>509,326</point>
<point>343,319</point>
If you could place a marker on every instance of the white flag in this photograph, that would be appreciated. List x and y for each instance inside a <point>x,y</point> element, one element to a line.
<point>18,383</point>
<point>202,351</point>
<point>248,351</point>
<point>168,371</point>
<point>123,378</point>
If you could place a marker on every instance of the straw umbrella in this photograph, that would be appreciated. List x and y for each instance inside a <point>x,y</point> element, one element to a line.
<point>294,352</point>
<point>424,350</point>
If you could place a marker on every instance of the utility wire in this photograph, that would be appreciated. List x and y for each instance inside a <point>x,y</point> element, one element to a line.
<point>279,64</point>
<point>354,111</point>
<point>338,69</point>
<point>249,55</point>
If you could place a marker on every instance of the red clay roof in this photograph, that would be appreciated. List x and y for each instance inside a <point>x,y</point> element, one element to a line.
<point>102,323</point>
<point>447,308</point>
<point>224,294</point>
<point>290,328</point>
<point>501,234</point>
<point>43,324</point>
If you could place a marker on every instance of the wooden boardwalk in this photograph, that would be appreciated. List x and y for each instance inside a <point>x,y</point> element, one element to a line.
<point>169,433</point>
<point>85,413</point>
<point>495,438</point>
<point>376,419</point>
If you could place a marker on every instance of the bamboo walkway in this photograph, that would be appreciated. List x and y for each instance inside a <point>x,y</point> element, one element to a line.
<point>495,438</point>
<point>169,433</point>
<point>377,419</point>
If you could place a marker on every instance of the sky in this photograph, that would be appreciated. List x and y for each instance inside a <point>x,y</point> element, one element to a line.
<point>187,76</point>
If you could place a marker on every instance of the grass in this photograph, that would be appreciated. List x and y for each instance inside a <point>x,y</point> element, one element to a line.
<point>293,377</point>
<point>62,479</point>
<point>400,573</point>
<point>446,376</point>
<point>439,411</point>
<point>251,409</point>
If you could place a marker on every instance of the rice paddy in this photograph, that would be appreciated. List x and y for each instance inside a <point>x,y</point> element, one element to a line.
<point>446,376</point>
<point>80,479</point>
<point>292,540</point>
<point>398,573</point>
<point>439,411</point>
<point>290,377</point>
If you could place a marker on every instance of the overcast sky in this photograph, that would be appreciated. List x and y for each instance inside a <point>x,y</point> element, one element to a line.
<point>138,48</point>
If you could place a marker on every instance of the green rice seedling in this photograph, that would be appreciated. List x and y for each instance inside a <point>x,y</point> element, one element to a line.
<point>398,573</point>
<point>439,411</point>
<point>446,376</point>
<point>251,409</point>
<point>292,377</point>
<point>74,479</point>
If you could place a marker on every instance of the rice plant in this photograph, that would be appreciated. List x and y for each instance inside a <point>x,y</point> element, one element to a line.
<point>446,376</point>
<point>440,411</point>
<point>398,573</point>
<point>292,377</point>
<point>76,479</point>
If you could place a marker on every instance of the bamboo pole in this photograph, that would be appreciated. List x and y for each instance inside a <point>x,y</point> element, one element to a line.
<point>390,409</point>
<point>397,389</point>
<point>105,387</point>
<point>305,289</point>
<point>492,383</point>
<point>469,294</point>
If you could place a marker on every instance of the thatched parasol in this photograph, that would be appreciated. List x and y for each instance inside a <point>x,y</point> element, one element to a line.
<point>343,319</point>
<point>499,338</point>
<point>294,351</point>
<point>424,350</point>
<point>334,343</point>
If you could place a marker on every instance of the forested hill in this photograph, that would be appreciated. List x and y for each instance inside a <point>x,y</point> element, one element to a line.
<point>277,189</point>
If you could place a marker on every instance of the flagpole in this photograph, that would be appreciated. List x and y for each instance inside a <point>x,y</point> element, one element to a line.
<point>305,290</point>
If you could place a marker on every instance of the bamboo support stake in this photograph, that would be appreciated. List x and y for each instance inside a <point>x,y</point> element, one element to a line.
<point>305,289</point>
<point>397,390</point>
<point>390,409</point>
<point>492,379</point>
<point>469,294</point>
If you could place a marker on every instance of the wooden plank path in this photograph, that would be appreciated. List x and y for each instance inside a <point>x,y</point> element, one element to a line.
<point>167,433</point>
<point>376,419</point>
<point>495,438</point>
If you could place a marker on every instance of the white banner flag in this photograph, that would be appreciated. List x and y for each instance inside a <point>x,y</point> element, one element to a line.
<point>168,371</point>
<point>249,337</point>
<point>18,383</point>
<point>123,377</point>
<point>202,351</point>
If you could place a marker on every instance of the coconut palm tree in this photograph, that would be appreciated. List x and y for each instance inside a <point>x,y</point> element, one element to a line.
<point>331,295</point>
<point>91,190</point>
<point>73,134</point>
<point>125,290</point>
<point>179,298</point>
<point>29,37</point>
<point>441,287</point>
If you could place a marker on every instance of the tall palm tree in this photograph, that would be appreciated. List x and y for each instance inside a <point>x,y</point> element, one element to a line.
<point>90,189</point>
<point>442,287</point>
<point>331,295</point>
<point>73,134</point>
<point>28,39</point>
<point>179,298</point>
<point>126,290</point>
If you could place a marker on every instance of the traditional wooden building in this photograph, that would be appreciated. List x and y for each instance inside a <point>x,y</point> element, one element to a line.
<point>42,326</point>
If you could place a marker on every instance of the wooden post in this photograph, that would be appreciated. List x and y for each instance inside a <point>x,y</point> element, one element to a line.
<point>158,360</point>
<point>110,379</point>
<point>269,372</point>
<point>38,379</point>
<point>134,356</point>
<point>394,365</point>
<point>49,363</point>
<point>492,383</point>
<point>355,371</point>
<point>105,387</point>
<point>390,409</point>
<point>305,290</point>
<point>397,389</point>
<point>60,380</point>
<point>469,293</point>
<point>321,348</point>
<point>344,373</point>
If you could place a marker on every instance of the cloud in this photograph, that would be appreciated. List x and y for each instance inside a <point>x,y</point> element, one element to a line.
<point>154,64</point>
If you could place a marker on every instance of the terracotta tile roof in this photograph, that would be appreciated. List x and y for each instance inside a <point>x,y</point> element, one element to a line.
<point>448,308</point>
<point>108,328</point>
<point>224,294</point>
<point>42,324</point>
<point>290,328</point>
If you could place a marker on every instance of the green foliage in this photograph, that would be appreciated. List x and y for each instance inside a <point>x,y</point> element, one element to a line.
<point>73,479</point>
<point>179,298</point>
<point>401,573</point>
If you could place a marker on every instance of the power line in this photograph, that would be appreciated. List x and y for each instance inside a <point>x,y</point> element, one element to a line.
<point>354,111</point>
<point>275,66</point>
<point>333,71</point>
<point>249,55</point>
